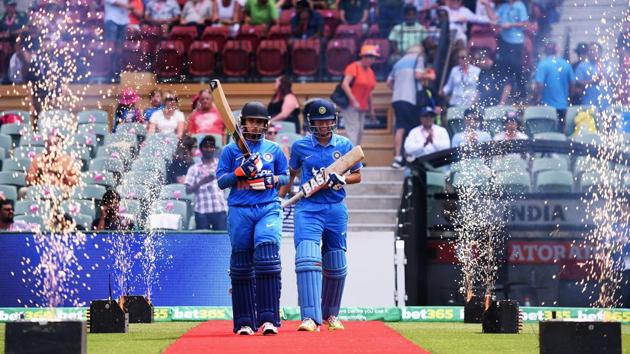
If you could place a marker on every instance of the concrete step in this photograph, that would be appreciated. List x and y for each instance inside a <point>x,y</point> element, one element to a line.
<point>367,187</point>
<point>381,174</point>
<point>352,227</point>
<point>372,216</point>
<point>373,201</point>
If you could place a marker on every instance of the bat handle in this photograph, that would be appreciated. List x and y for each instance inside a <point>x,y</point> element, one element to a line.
<point>296,198</point>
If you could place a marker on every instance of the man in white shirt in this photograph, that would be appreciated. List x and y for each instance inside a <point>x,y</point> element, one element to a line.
<point>426,138</point>
<point>472,134</point>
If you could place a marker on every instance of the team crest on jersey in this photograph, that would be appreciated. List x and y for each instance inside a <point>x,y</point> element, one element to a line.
<point>336,155</point>
<point>267,157</point>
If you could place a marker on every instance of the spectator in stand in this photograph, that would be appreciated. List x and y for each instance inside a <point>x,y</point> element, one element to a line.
<point>182,160</point>
<point>359,94</point>
<point>581,51</point>
<point>462,82</point>
<point>554,78</point>
<point>511,123</point>
<point>20,61</point>
<point>426,138</point>
<point>389,14</point>
<point>210,204</point>
<point>196,13</point>
<point>512,18</point>
<point>306,23</point>
<point>136,14</point>
<point>155,97</point>
<point>590,74</point>
<point>128,110</point>
<point>404,81</point>
<point>170,119</point>
<point>116,21</point>
<point>409,33</point>
<point>459,16</point>
<point>6,218</point>
<point>493,89</point>
<point>163,13</point>
<point>285,4</point>
<point>284,105</point>
<point>13,22</point>
<point>227,13</point>
<point>354,12</point>
<point>472,134</point>
<point>109,218</point>
<point>272,135</point>
<point>53,166</point>
<point>259,12</point>
<point>205,119</point>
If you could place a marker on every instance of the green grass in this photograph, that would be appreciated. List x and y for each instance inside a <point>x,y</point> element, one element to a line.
<point>456,338</point>
<point>141,339</point>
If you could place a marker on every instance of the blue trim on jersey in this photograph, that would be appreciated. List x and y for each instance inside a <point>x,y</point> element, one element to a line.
<point>310,156</point>
<point>274,163</point>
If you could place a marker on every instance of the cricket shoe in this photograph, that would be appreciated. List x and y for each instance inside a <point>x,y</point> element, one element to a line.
<point>308,325</point>
<point>269,329</point>
<point>334,324</point>
<point>245,331</point>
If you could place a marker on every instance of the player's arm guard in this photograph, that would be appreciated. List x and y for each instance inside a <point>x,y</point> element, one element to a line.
<point>250,167</point>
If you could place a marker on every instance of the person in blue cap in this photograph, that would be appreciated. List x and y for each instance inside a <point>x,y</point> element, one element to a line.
<point>321,219</point>
<point>254,223</point>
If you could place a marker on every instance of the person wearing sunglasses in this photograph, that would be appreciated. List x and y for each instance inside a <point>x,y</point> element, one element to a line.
<point>462,82</point>
<point>170,119</point>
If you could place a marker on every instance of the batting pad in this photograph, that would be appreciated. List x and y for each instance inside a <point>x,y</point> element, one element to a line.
<point>308,266</point>
<point>242,275</point>
<point>267,267</point>
<point>335,271</point>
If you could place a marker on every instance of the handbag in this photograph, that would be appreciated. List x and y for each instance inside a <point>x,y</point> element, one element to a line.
<point>424,96</point>
<point>339,96</point>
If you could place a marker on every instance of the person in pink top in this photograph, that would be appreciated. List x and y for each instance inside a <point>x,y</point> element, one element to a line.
<point>205,119</point>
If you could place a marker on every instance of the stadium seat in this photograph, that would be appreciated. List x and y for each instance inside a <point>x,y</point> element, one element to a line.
<point>588,138</point>
<point>173,207</point>
<point>184,34</point>
<point>354,32</point>
<point>35,220</point>
<point>89,191</point>
<point>8,192</point>
<point>548,164</point>
<point>216,34</point>
<point>468,164</point>
<point>27,152</point>
<point>129,190</point>
<point>6,143</point>
<point>28,207</point>
<point>16,164</point>
<point>509,163</point>
<point>285,17</point>
<point>252,34</point>
<point>103,178</point>
<point>435,182</point>
<point>202,59</point>
<point>131,208</point>
<point>83,220</point>
<point>42,192</point>
<point>279,32</point>
<point>540,119</point>
<point>305,57</point>
<point>169,59</point>
<point>95,116</point>
<point>136,56</point>
<point>271,57</point>
<point>15,131</point>
<point>514,182</point>
<point>121,152</point>
<point>79,206</point>
<point>331,21</point>
<point>554,182</point>
<point>100,59</point>
<point>339,53</point>
<point>129,141</point>
<point>455,120</point>
<point>550,136</point>
<point>153,35</point>
<point>176,191</point>
<point>25,115</point>
<point>237,57</point>
<point>590,182</point>
<point>107,164</point>
<point>132,128</point>
<point>58,121</point>
<point>493,118</point>
<point>100,130</point>
<point>483,36</point>
<point>471,178</point>
<point>32,140</point>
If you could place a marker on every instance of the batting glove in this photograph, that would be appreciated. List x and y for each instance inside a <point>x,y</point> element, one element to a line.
<point>262,183</point>
<point>249,167</point>
<point>336,181</point>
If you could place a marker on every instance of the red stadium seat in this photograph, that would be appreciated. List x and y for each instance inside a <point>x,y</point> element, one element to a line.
<point>285,17</point>
<point>202,58</point>
<point>237,58</point>
<point>339,53</point>
<point>374,31</point>
<point>271,57</point>
<point>483,36</point>
<point>305,57</point>
<point>331,21</point>
<point>185,34</point>
<point>354,32</point>
<point>152,34</point>
<point>133,34</point>
<point>253,34</point>
<point>100,61</point>
<point>280,32</point>
<point>219,35</point>
<point>169,59</point>
<point>136,56</point>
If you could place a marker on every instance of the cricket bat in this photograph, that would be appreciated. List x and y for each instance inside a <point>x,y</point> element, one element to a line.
<point>340,166</point>
<point>226,114</point>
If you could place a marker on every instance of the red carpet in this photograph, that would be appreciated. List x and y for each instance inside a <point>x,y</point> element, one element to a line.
<point>358,337</point>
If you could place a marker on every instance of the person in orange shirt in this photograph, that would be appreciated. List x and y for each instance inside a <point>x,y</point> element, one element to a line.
<point>358,83</point>
<point>136,14</point>
<point>205,119</point>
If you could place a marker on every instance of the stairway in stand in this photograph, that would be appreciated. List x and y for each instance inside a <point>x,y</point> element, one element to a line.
<point>373,204</point>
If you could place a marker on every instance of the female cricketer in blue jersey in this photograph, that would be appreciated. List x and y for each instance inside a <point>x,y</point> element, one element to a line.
<point>321,220</point>
<point>254,223</point>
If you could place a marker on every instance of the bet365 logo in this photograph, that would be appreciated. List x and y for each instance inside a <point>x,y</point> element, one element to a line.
<point>315,183</point>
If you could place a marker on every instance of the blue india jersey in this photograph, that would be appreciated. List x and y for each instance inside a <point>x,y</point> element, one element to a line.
<point>274,163</point>
<point>310,156</point>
